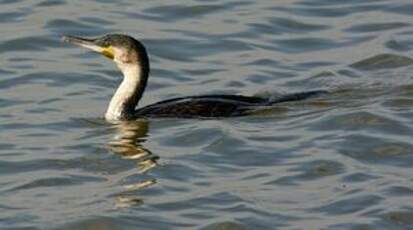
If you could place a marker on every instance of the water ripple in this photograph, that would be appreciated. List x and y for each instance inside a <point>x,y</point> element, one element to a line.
<point>338,161</point>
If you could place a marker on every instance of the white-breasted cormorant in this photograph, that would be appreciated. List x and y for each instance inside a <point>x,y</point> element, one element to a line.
<point>132,59</point>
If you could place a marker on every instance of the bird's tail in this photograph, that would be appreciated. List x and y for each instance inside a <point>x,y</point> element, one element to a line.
<point>296,96</point>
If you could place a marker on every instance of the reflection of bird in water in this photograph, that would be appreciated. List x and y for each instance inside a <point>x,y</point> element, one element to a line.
<point>127,143</point>
<point>131,58</point>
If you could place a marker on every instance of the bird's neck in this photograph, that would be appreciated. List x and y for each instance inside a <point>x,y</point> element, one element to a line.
<point>123,103</point>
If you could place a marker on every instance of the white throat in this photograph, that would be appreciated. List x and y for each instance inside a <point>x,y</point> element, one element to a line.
<point>124,100</point>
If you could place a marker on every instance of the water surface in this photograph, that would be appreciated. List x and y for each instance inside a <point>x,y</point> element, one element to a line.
<point>341,161</point>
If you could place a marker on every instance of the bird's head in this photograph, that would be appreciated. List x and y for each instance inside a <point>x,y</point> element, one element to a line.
<point>122,49</point>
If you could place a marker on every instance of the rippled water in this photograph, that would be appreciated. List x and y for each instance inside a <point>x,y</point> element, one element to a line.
<point>341,161</point>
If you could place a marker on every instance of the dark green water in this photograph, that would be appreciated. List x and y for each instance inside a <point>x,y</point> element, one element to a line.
<point>341,161</point>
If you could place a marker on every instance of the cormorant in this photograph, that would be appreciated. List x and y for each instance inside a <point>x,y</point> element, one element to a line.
<point>132,59</point>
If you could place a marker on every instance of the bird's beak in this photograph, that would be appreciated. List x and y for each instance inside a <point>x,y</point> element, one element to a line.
<point>92,44</point>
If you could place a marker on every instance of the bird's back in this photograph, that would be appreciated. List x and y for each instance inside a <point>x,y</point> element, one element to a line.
<point>202,106</point>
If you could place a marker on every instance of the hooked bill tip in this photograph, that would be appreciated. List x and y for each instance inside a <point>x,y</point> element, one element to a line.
<point>65,38</point>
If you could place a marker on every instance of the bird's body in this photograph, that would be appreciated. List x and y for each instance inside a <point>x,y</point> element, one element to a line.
<point>216,105</point>
<point>131,58</point>
<point>202,106</point>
